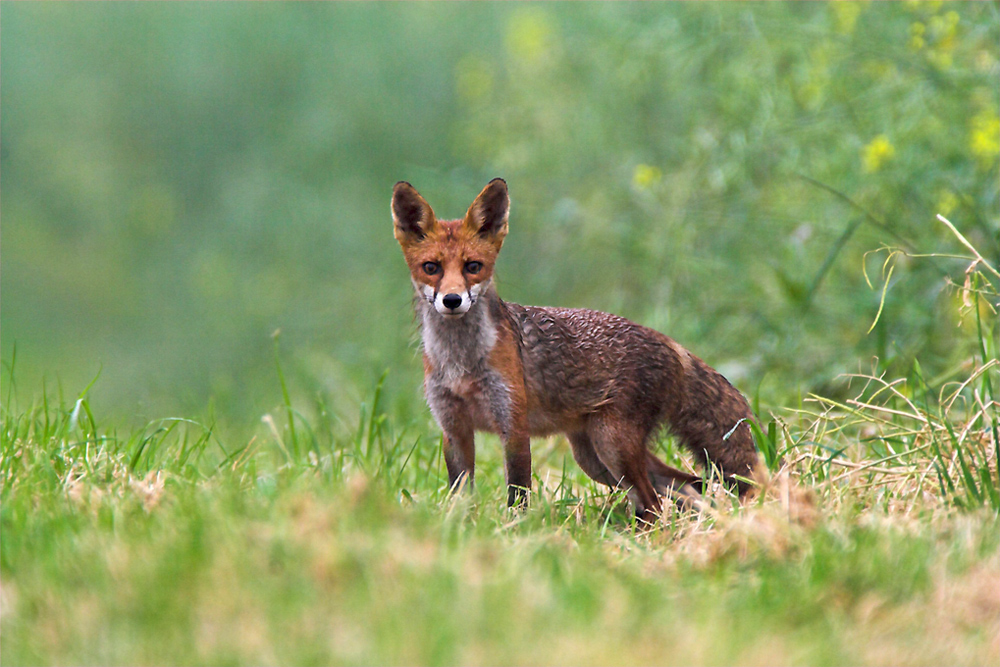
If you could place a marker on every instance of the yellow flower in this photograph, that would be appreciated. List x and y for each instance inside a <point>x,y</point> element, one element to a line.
<point>529,35</point>
<point>645,176</point>
<point>845,15</point>
<point>876,153</point>
<point>984,137</point>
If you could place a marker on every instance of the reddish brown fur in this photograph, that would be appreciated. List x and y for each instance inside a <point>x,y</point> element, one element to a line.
<point>518,371</point>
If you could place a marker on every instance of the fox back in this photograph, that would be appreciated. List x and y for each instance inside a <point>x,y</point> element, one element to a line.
<point>607,383</point>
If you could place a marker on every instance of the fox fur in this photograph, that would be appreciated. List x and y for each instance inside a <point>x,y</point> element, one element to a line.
<point>607,383</point>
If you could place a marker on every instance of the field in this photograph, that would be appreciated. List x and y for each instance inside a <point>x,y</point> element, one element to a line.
<point>330,542</point>
<point>213,446</point>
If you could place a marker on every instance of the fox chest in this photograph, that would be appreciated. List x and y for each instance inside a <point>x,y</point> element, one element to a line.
<point>477,400</point>
<point>463,388</point>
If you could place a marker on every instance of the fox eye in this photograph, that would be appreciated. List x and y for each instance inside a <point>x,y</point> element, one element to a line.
<point>473,267</point>
<point>431,268</point>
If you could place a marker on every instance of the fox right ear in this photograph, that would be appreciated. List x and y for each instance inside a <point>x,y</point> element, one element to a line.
<point>489,212</point>
<point>411,214</point>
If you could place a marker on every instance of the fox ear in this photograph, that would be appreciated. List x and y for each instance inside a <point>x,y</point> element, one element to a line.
<point>411,214</point>
<point>488,213</point>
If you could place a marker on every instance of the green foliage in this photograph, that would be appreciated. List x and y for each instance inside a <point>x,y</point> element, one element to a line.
<point>182,180</point>
<point>767,443</point>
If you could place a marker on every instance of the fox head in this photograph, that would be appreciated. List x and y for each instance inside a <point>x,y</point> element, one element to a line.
<point>451,261</point>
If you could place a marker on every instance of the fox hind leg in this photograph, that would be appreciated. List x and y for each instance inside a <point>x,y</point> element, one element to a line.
<point>587,459</point>
<point>621,448</point>
<point>683,488</point>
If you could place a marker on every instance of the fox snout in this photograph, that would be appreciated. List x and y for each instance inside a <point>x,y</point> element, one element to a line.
<point>457,303</point>
<point>452,303</point>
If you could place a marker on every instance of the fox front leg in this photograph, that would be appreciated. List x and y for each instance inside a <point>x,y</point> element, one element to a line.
<point>517,464</point>
<point>458,442</point>
<point>511,420</point>
<point>460,459</point>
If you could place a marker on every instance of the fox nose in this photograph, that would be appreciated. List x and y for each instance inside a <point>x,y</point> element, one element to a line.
<point>451,301</point>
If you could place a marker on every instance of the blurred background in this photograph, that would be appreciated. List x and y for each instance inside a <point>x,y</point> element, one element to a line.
<point>181,180</point>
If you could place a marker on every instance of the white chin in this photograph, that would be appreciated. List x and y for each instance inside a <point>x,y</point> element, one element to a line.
<point>451,314</point>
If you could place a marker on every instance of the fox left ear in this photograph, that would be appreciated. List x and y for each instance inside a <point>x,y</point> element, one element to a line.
<point>412,216</point>
<point>490,210</point>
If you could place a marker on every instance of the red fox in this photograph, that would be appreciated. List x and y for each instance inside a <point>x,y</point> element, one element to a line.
<point>607,383</point>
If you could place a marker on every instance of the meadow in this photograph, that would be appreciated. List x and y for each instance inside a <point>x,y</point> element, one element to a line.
<point>213,446</point>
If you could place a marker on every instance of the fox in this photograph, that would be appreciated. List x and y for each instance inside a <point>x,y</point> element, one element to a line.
<point>606,383</point>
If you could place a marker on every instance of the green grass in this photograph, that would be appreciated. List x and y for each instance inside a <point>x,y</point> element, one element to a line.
<point>876,541</point>
<point>249,560</point>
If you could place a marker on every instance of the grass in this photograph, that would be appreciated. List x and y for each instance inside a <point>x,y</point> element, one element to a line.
<point>316,561</point>
<point>877,540</point>
<point>112,557</point>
